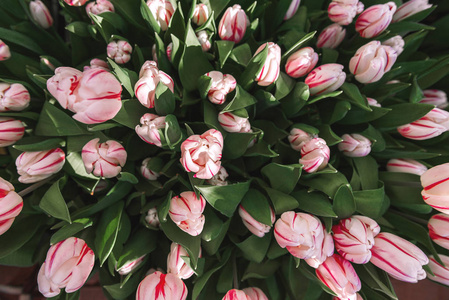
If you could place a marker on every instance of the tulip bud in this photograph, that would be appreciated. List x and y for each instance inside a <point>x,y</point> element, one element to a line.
<point>149,129</point>
<point>257,228</point>
<point>331,36</point>
<point>145,87</point>
<point>11,131</point>
<point>75,2</point>
<point>355,145</point>
<point>298,138</point>
<point>152,218</point>
<point>169,51</point>
<point>103,159</point>
<point>221,86</point>
<point>272,65</point>
<point>398,257</point>
<point>233,24</point>
<point>325,79</point>
<point>219,179</point>
<point>255,293</point>
<point>292,9</point>
<point>435,123</point>
<point>354,238</point>
<point>162,287</point>
<point>97,63</point>
<point>435,182</point>
<point>162,11</point>
<point>200,14</point>
<point>36,166</point>
<point>120,51</point>
<point>435,97</point>
<point>4,51</point>
<point>68,265</point>
<point>186,211</point>
<point>343,11</point>
<point>13,97</point>
<point>410,8</point>
<point>10,205</point>
<point>314,155</point>
<point>440,272</point>
<point>373,102</point>
<point>339,275</point>
<point>301,62</point>
<point>396,42</point>
<point>404,165</point>
<point>439,229</point>
<point>147,172</point>
<point>130,266</point>
<point>203,38</point>
<point>235,294</point>
<point>99,6</point>
<point>233,123</point>
<point>40,14</point>
<point>201,154</point>
<point>358,297</point>
<point>375,19</point>
<point>176,265</point>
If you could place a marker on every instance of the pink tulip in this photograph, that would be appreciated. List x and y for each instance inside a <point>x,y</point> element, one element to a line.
<point>162,11</point>
<point>4,51</point>
<point>301,62</point>
<point>439,229</point>
<point>10,205</point>
<point>298,138</point>
<point>152,218</point>
<point>404,165</point>
<point>186,210</point>
<point>440,272</point>
<point>435,182</point>
<point>410,8</point>
<point>130,266</point>
<point>64,84</point>
<point>169,51</point>
<point>147,172</point>
<point>435,97</point>
<point>149,129</point>
<point>203,38</point>
<point>36,166</point>
<point>233,24</point>
<point>398,257</point>
<point>354,238</point>
<point>373,102</point>
<point>272,65</point>
<point>292,9</point>
<point>314,155</point>
<point>158,286</point>
<point>339,275</point>
<point>11,130</point>
<point>343,11</point>
<point>357,297</point>
<point>233,123</point>
<point>99,6</point>
<point>235,294</point>
<point>40,14</point>
<point>255,293</point>
<point>331,36</point>
<point>97,63</point>
<point>325,79</point>
<point>221,86</point>
<point>119,51</point>
<point>103,159</point>
<point>201,154</point>
<point>200,14</point>
<point>435,123</point>
<point>13,97</point>
<point>355,145</point>
<point>257,228</point>
<point>219,179</point>
<point>75,2</point>
<point>396,42</point>
<point>176,265</point>
<point>67,265</point>
<point>375,19</point>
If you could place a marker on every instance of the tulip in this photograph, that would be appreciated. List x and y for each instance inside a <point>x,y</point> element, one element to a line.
<point>272,65</point>
<point>298,138</point>
<point>221,85</point>
<point>398,257</point>
<point>147,172</point>
<point>354,238</point>
<point>162,11</point>
<point>200,14</point>
<point>410,8</point>
<point>372,61</point>
<point>314,155</point>
<point>97,63</point>
<point>130,266</point>
<point>435,182</point>
<point>120,51</point>
<point>325,79</point>
<point>404,165</point>
<point>219,179</point>
<point>67,265</point>
<point>439,229</point>
<point>343,11</point>
<point>233,123</point>
<point>40,14</point>
<point>331,36</point>
<point>75,2</point>
<point>103,159</point>
<point>358,297</point>
<point>4,51</point>
<point>235,294</point>
<point>169,50</point>
<point>339,275</point>
<point>435,97</point>
<point>99,6</point>
<point>63,85</point>
<point>233,24</point>
<point>255,293</point>
<point>355,145</point>
<point>186,211</point>
<point>292,9</point>
<point>375,19</point>
<point>435,123</point>
<point>176,265</point>
<point>161,287</point>
<point>373,102</point>
<point>13,97</point>
<point>257,228</point>
<point>440,272</point>
<point>203,38</point>
<point>301,62</point>
<point>11,131</point>
<point>201,154</point>
<point>396,42</point>
<point>36,166</point>
<point>10,205</point>
<point>152,218</point>
<point>149,129</point>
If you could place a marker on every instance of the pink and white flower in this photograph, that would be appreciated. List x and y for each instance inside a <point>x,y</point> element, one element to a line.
<point>203,38</point>
<point>176,265</point>
<point>221,85</point>
<point>99,6</point>
<point>119,51</point>
<point>130,266</point>
<point>373,102</point>
<point>11,130</point>
<point>435,183</point>
<point>150,77</point>
<point>5,53</point>
<point>301,62</point>
<point>162,11</point>
<point>235,294</point>
<point>331,36</point>
<point>40,14</point>
<point>396,42</point>
<point>405,165</point>
<point>440,272</point>
<point>343,11</point>
<point>200,14</point>
<point>435,123</point>
<point>161,287</point>
<point>439,229</point>
<point>103,159</point>
<point>233,123</point>
<point>257,228</point>
<point>152,218</point>
<point>186,211</point>
<point>75,2</point>
<point>298,138</point>
<point>314,155</point>
<point>355,145</point>
<point>255,293</point>
<point>410,8</point>
<point>11,205</point>
<point>325,79</point>
<point>147,172</point>
<point>13,97</point>
<point>232,26</point>
<point>375,19</point>
<point>219,179</point>
<point>39,165</point>
<point>272,65</point>
<point>148,131</point>
<point>292,9</point>
<point>435,97</point>
<point>97,63</point>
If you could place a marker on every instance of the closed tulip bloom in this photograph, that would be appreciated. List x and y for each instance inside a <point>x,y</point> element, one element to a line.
<point>235,294</point>
<point>169,51</point>
<point>75,2</point>
<point>396,42</point>
<point>355,145</point>
<point>358,297</point>
<point>233,24</point>
<point>149,129</point>
<point>158,286</point>
<point>63,86</point>
<point>257,228</point>
<point>186,211</point>
<point>314,155</point>
<point>410,8</point>
<point>435,182</point>
<point>440,272</point>
<point>233,123</point>
<point>130,266</point>
<point>162,11</point>
<point>354,238</point>
<point>331,36</point>
<point>5,53</point>
<point>68,265</point>
<point>373,102</point>
<point>97,63</point>
<point>272,65</point>
<point>343,11</point>
<point>219,179</point>
<point>99,6</point>
<point>298,138</point>
<point>435,97</point>
<point>39,165</point>
<point>152,218</point>
<point>375,19</point>
<point>11,205</point>
<point>405,165</point>
<point>255,293</point>
<point>301,62</point>
<point>339,275</point>
<point>200,14</point>
<point>40,14</point>
<point>147,172</point>
<point>103,159</point>
<point>325,79</point>
<point>222,84</point>
<point>398,257</point>
<point>11,130</point>
<point>176,265</point>
<point>203,38</point>
<point>292,9</point>
<point>150,77</point>
<point>439,229</point>
<point>435,123</point>
<point>201,154</point>
<point>13,97</point>
<point>119,51</point>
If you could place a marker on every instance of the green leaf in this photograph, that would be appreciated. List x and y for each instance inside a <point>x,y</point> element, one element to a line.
<point>53,202</point>
<point>26,115</point>
<point>126,77</point>
<point>105,28</point>
<point>416,94</point>
<point>262,270</point>
<point>224,50</point>
<point>282,177</point>
<point>328,183</point>
<point>284,85</point>
<point>70,230</point>
<point>241,100</point>
<point>255,65</point>
<point>142,242</point>
<point>14,37</point>
<point>262,148</point>
<point>255,248</point>
<point>204,85</point>
<point>376,279</point>
<point>123,291</point>
<point>214,245</point>
<point>75,166</point>
<point>126,176</point>
<point>315,203</point>
<point>164,100</point>
<point>324,96</point>
<point>213,225</point>
<point>358,116</point>
<point>402,114</point>
<point>352,92</point>
<point>148,16</point>
<point>404,27</point>
<point>130,113</point>
<point>329,136</point>
<point>242,54</point>
<point>281,201</point>
<point>330,56</point>
<point>172,133</point>
<point>256,204</point>
<point>298,45</point>
<point>378,141</point>
<point>235,144</point>
<point>366,167</point>
<point>372,203</point>
<point>79,28</point>
<point>344,204</point>
<point>35,143</point>
<point>293,102</point>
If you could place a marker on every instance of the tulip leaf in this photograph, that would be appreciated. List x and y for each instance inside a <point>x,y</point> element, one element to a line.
<point>234,144</point>
<point>329,136</point>
<point>164,100</point>
<point>130,113</point>
<point>352,93</point>
<point>241,100</point>
<point>126,77</point>
<point>372,203</point>
<point>130,9</point>
<point>204,85</point>
<point>75,166</point>
<point>282,177</point>
<point>123,291</point>
<point>148,16</point>
<point>172,134</point>
<point>402,114</point>
<point>328,183</point>
<point>129,177</point>
<point>211,247</point>
<point>255,65</point>
<point>293,102</point>
<point>142,242</point>
<point>344,204</point>
<point>324,96</point>
<point>14,37</point>
<point>281,201</point>
<point>53,202</point>
<point>261,148</point>
<point>70,230</point>
<point>256,205</point>
<point>284,85</point>
<point>21,115</point>
<point>315,203</point>
<point>224,50</point>
<point>37,143</point>
<point>262,270</point>
<point>298,45</point>
<point>241,54</point>
<point>375,279</point>
<point>213,225</point>
<point>405,27</point>
<point>255,248</point>
<point>358,116</point>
